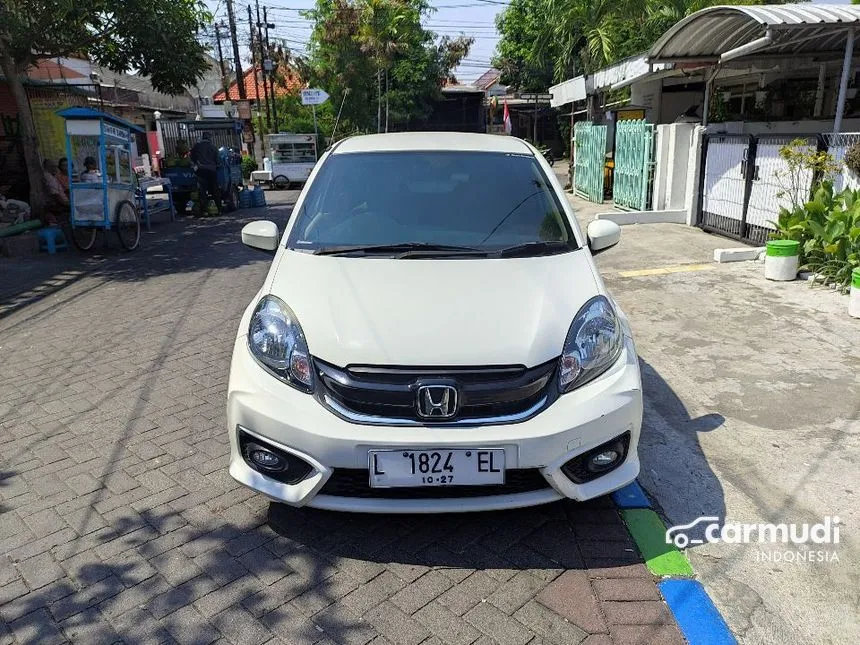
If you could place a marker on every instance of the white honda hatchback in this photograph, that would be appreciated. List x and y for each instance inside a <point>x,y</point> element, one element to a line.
<point>433,336</point>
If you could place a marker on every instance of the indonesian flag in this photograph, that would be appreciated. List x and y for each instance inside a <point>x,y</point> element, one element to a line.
<point>507,118</point>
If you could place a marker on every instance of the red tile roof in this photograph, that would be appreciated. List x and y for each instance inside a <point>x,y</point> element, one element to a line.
<point>292,78</point>
<point>49,70</point>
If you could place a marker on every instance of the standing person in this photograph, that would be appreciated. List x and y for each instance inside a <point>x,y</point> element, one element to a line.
<point>57,206</point>
<point>63,175</point>
<point>205,155</point>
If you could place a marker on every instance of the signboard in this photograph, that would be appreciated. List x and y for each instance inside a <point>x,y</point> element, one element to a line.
<point>244,110</point>
<point>115,132</point>
<point>314,97</point>
<point>268,65</point>
<point>536,97</point>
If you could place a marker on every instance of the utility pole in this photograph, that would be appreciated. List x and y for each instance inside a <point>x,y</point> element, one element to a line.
<point>253,55</point>
<point>224,82</point>
<point>240,82</point>
<point>272,73</point>
<point>262,68</point>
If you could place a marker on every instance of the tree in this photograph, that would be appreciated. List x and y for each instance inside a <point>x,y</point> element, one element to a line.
<point>156,38</point>
<point>363,45</point>
<point>521,64</point>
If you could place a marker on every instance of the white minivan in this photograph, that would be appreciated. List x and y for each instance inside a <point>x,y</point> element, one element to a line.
<point>433,336</point>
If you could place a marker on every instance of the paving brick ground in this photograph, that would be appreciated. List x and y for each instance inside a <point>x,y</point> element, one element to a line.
<point>119,522</point>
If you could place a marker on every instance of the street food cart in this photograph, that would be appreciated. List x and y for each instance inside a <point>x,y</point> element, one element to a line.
<point>101,177</point>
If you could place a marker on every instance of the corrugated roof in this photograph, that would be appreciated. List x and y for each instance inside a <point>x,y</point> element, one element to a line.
<point>797,28</point>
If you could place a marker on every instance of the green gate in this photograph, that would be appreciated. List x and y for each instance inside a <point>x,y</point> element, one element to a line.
<point>590,155</point>
<point>633,146</point>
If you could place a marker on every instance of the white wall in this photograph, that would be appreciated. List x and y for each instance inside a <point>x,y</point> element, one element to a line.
<point>675,142</point>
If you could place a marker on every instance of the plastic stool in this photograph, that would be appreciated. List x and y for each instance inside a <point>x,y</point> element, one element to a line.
<point>51,239</point>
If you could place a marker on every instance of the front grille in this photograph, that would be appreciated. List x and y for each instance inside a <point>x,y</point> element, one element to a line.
<point>368,393</point>
<point>349,482</point>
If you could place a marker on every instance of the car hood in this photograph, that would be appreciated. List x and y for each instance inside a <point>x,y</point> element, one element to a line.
<point>434,312</point>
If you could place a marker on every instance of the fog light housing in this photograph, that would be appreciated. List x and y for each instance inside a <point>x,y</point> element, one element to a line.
<point>597,461</point>
<point>272,461</point>
<point>265,459</point>
<point>602,460</point>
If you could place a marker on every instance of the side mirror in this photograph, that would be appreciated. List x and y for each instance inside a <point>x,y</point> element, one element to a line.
<point>602,234</point>
<point>261,234</point>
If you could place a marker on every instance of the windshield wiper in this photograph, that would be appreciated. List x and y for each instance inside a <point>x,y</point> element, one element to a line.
<point>403,250</point>
<point>551,247</point>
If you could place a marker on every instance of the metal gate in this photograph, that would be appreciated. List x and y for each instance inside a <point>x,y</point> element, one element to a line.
<point>634,145</point>
<point>589,160</point>
<point>743,184</point>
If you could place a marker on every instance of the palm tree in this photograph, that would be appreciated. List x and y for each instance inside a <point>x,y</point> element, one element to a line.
<point>585,31</point>
<point>383,23</point>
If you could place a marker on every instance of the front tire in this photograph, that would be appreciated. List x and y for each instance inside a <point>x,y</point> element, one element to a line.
<point>281,182</point>
<point>84,237</point>
<point>127,225</point>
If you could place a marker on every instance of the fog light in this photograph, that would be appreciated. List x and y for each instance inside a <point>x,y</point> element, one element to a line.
<point>265,459</point>
<point>602,460</point>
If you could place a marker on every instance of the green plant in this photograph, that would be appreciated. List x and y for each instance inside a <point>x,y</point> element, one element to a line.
<point>828,228</point>
<point>804,163</point>
<point>249,165</point>
<point>852,158</point>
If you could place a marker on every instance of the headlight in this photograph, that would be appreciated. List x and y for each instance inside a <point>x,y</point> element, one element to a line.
<point>593,344</point>
<point>276,340</point>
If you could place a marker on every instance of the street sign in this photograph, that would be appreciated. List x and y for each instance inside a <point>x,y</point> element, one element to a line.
<point>268,65</point>
<point>536,97</point>
<point>314,97</point>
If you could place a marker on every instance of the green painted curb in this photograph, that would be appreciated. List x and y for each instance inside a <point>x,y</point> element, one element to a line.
<point>649,532</point>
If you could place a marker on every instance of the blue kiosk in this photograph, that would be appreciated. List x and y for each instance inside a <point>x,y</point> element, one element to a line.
<point>101,177</point>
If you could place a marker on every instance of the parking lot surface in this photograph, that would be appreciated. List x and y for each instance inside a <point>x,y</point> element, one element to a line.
<point>119,522</point>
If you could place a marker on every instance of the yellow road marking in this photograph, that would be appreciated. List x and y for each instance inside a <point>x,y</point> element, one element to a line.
<point>683,268</point>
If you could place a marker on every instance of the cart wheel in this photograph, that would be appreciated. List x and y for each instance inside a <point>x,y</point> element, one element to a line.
<point>84,237</point>
<point>127,225</point>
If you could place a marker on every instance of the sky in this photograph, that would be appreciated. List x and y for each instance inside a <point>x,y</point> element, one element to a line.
<point>474,18</point>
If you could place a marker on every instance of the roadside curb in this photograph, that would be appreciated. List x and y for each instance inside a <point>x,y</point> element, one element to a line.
<point>698,618</point>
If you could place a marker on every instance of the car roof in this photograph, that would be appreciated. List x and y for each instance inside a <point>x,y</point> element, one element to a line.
<point>454,141</point>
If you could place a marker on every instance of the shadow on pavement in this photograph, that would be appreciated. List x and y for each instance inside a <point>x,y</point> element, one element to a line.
<point>666,427</point>
<point>172,247</point>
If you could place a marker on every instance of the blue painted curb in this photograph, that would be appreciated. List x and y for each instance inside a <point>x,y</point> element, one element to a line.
<point>695,613</point>
<point>631,496</point>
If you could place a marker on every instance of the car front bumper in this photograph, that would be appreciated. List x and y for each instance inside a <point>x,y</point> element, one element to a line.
<point>296,422</point>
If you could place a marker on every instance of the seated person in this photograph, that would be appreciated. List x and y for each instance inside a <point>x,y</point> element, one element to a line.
<point>91,172</point>
<point>56,202</point>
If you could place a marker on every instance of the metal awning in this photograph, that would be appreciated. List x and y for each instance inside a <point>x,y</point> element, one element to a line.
<point>716,36</point>
<point>709,34</point>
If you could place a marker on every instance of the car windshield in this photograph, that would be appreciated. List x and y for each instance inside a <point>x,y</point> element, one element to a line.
<point>438,202</point>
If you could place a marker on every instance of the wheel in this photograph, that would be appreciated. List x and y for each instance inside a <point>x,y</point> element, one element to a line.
<point>127,225</point>
<point>84,237</point>
<point>281,182</point>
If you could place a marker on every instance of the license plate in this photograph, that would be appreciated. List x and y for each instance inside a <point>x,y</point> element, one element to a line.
<point>470,467</point>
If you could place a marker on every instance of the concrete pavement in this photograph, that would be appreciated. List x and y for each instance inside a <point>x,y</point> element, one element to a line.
<point>752,392</point>
<point>119,522</point>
